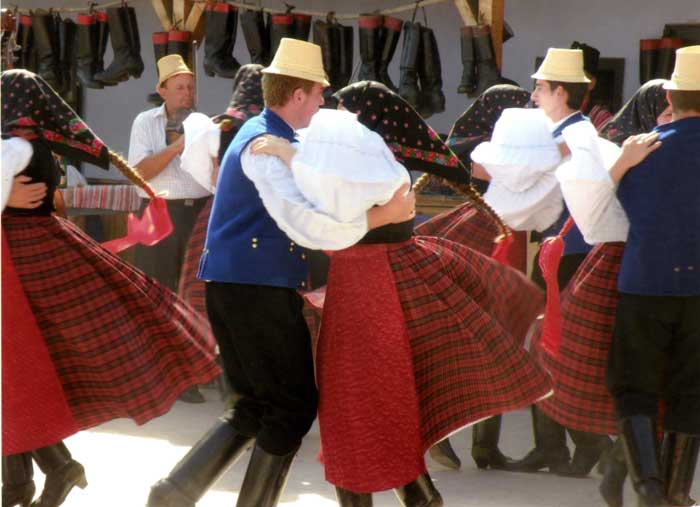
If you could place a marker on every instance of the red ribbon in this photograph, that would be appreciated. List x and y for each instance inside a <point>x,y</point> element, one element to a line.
<point>501,251</point>
<point>153,226</point>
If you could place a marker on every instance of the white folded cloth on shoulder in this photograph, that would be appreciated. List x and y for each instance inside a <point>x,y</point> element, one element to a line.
<point>16,154</point>
<point>202,138</point>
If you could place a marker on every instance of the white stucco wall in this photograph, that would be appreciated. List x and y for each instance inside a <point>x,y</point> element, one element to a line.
<point>613,26</point>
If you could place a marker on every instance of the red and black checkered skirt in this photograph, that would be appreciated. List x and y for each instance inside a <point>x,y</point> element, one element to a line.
<point>121,344</point>
<point>190,288</point>
<point>581,401</point>
<point>418,339</point>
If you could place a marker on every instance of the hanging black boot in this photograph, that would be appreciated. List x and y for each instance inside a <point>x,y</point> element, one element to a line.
<point>264,479</point>
<point>201,467</point>
<point>468,82</point>
<point>347,498</point>
<point>432,100</point>
<point>180,43</point>
<point>392,32</point>
<point>124,61</point>
<point>648,52</point>
<point>302,26</point>
<point>485,451</point>
<point>102,27</point>
<point>666,57</point>
<point>550,446</point>
<point>253,26</point>
<point>327,36</point>
<point>17,480</point>
<point>160,49</point>
<point>345,54</point>
<point>410,59</point>
<point>135,43</point>
<point>419,493</point>
<point>679,457</point>
<point>443,453</point>
<point>86,54</point>
<point>487,73</point>
<point>25,40</point>
<point>47,50</point>
<point>281,25</point>
<point>62,472</point>
<point>221,21</point>
<point>590,447</point>
<point>614,474</point>
<point>68,37</point>
<point>369,35</point>
<point>638,434</point>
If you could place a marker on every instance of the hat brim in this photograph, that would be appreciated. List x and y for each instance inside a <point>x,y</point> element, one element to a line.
<point>298,73</point>
<point>534,157</point>
<point>563,78</point>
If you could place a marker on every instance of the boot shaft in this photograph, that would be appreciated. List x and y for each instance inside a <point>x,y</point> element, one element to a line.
<point>410,61</point>
<point>302,26</point>
<point>254,33</point>
<point>281,25</point>
<point>648,56</point>
<point>345,53</point>
<point>25,40</point>
<point>102,27</point>
<point>468,81</point>
<point>180,43</point>
<point>679,456</point>
<point>369,34</point>
<point>17,468</point>
<point>87,38</point>
<point>666,57</point>
<point>264,479</point>
<point>638,435</point>
<point>160,46</point>
<point>323,37</point>
<point>419,493</point>
<point>347,498</point>
<point>390,39</point>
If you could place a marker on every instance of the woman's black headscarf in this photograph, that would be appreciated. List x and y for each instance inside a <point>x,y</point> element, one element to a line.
<point>639,114</point>
<point>413,142</point>
<point>32,109</point>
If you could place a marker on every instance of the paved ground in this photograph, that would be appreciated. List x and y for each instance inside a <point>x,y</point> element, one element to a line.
<point>122,460</point>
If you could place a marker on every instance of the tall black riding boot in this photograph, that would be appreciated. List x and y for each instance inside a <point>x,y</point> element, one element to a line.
<point>614,474</point>
<point>590,447</point>
<point>124,61</point>
<point>25,40</point>
<point>68,36</point>
<point>392,32</point>
<point>281,25</point>
<point>550,446</point>
<point>327,36</point>
<point>368,32</point>
<point>487,73</point>
<point>419,493</point>
<point>265,479</point>
<point>466,39</point>
<point>86,54</point>
<point>679,457</point>
<point>135,43</point>
<point>302,26</point>
<point>443,453</point>
<point>220,34</point>
<point>201,467</point>
<point>666,57</point>
<point>345,53</point>
<point>160,49</point>
<point>17,480</point>
<point>638,434</point>
<point>180,43</point>
<point>410,60</point>
<point>253,26</point>
<point>102,27</point>
<point>432,99</point>
<point>62,472</point>
<point>47,50</point>
<point>347,498</point>
<point>485,451</point>
<point>648,54</point>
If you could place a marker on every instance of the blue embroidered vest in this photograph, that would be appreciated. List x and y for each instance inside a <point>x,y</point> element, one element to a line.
<point>661,197</point>
<point>244,245</point>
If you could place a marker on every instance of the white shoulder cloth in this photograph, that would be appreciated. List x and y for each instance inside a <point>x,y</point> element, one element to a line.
<point>202,138</point>
<point>16,154</point>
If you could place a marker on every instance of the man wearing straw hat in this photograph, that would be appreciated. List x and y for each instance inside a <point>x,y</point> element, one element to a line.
<point>253,272</point>
<point>656,341</point>
<point>560,89</point>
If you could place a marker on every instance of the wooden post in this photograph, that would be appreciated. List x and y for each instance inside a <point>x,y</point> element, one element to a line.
<point>465,12</point>
<point>491,12</point>
<point>162,13</point>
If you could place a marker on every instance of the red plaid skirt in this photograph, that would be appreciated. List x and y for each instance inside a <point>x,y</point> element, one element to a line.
<point>121,344</point>
<point>190,288</point>
<point>581,401</point>
<point>418,339</point>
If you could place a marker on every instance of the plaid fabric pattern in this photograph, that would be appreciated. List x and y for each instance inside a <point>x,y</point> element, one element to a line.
<point>190,288</point>
<point>466,224</point>
<point>466,317</point>
<point>581,400</point>
<point>122,344</point>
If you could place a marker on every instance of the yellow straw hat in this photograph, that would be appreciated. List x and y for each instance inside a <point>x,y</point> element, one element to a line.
<point>686,74</point>
<point>296,58</point>
<point>170,66</point>
<point>564,65</point>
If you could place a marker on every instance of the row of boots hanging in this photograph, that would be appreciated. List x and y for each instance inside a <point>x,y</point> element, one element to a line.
<point>657,58</point>
<point>478,61</point>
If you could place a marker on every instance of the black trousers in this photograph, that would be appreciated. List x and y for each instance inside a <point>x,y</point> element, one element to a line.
<point>656,354</point>
<point>265,347</point>
<point>163,261</point>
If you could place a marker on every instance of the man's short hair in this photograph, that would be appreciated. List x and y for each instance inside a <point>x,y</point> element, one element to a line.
<point>685,100</point>
<point>278,89</point>
<point>576,93</point>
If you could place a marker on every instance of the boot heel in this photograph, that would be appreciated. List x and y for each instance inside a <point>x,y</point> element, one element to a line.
<point>481,463</point>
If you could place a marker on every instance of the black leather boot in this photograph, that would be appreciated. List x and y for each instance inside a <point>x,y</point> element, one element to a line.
<point>550,446</point>
<point>62,472</point>
<point>17,480</point>
<point>468,82</point>
<point>201,467</point>
<point>419,493</point>
<point>68,37</point>
<point>666,57</point>
<point>302,26</point>
<point>220,34</point>
<point>638,434</point>
<point>648,54</point>
<point>135,43</point>
<point>160,49</point>
<point>281,25</point>
<point>485,451</point>
<point>443,453</point>
<point>369,34</point>
<point>614,474</point>
<point>25,40</point>
<point>345,54</point>
<point>180,43</point>
<point>102,27</point>
<point>253,26</point>
<point>590,447</point>
<point>679,457</point>
<point>46,45</point>
<point>392,32</point>
<point>86,54</point>
<point>487,73</point>
<point>432,100</point>
<point>347,498</point>
<point>325,34</point>
<point>410,59</point>
<point>124,63</point>
<point>264,479</point>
